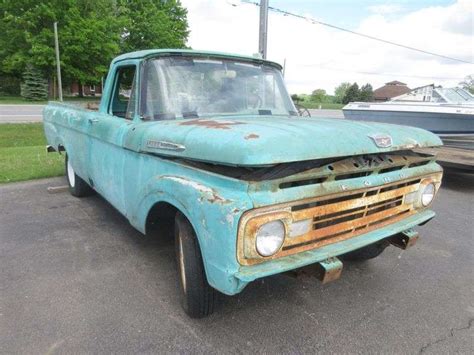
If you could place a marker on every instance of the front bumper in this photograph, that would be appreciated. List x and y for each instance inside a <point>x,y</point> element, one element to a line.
<point>247,274</point>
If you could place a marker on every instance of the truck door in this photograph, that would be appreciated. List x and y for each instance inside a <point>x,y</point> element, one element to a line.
<point>107,155</point>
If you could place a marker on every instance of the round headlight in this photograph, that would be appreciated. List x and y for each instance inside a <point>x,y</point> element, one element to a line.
<point>428,194</point>
<point>270,237</point>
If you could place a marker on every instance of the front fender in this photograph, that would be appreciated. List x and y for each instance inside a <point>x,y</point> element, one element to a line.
<point>213,212</point>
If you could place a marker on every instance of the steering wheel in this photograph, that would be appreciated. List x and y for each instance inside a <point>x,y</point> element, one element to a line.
<point>257,103</point>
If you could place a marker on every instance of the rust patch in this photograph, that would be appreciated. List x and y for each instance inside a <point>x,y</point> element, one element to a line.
<point>252,136</point>
<point>215,198</point>
<point>211,124</point>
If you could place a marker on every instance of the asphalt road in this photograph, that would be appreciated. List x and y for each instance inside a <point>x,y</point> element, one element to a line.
<point>76,278</point>
<point>32,113</point>
<point>20,113</point>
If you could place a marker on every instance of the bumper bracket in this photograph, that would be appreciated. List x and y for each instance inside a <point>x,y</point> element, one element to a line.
<point>405,239</point>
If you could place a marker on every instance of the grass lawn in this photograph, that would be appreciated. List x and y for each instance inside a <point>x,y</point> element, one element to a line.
<point>23,154</point>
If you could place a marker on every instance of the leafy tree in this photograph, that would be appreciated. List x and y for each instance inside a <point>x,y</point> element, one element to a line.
<point>366,93</point>
<point>91,33</point>
<point>318,95</point>
<point>34,86</point>
<point>9,85</point>
<point>340,91</point>
<point>154,24</point>
<point>89,39</point>
<point>468,83</point>
<point>352,94</point>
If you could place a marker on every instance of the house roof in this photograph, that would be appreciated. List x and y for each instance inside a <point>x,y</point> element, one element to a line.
<point>390,90</point>
<point>166,52</point>
<point>395,82</point>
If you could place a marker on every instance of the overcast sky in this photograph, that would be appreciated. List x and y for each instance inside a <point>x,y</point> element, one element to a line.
<point>321,57</point>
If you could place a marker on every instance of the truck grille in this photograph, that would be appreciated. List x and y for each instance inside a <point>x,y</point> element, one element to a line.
<point>332,218</point>
<point>339,218</point>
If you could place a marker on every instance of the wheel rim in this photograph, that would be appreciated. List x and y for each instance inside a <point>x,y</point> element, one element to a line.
<point>70,174</point>
<point>181,265</point>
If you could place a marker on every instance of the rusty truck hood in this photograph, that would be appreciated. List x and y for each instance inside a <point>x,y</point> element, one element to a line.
<point>268,140</point>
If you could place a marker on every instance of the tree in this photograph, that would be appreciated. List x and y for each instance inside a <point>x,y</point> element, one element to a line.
<point>340,91</point>
<point>154,24</point>
<point>468,83</point>
<point>318,95</point>
<point>89,40</point>
<point>89,36</point>
<point>34,86</point>
<point>366,93</point>
<point>352,94</point>
<point>91,33</point>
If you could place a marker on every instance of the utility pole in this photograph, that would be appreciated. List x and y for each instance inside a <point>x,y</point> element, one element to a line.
<point>263,29</point>
<point>58,64</point>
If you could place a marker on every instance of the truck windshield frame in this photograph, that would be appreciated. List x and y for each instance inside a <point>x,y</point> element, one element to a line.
<point>175,87</point>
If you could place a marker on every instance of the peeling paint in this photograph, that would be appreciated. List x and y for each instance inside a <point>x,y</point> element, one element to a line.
<point>195,185</point>
<point>213,196</point>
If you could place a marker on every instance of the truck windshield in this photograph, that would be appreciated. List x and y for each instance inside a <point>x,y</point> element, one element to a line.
<point>189,87</point>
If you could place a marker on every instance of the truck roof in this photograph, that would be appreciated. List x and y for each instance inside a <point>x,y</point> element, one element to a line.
<point>163,52</point>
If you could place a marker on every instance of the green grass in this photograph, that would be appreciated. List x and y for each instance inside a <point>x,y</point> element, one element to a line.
<point>23,155</point>
<point>324,105</point>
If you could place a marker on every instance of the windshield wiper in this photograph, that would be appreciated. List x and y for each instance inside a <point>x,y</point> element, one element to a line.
<point>190,114</point>
<point>164,116</point>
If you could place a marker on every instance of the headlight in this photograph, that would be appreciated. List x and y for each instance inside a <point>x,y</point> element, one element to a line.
<point>427,194</point>
<point>270,237</point>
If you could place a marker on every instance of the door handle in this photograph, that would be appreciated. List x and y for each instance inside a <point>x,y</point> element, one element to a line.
<point>93,120</point>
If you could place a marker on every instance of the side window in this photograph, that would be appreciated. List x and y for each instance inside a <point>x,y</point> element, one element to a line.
<point>124,96</point>
<point>151,95</point>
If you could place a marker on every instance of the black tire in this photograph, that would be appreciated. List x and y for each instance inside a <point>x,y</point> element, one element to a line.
<point>77,186</point>
<point>366,253</point>
<point>198,297</point>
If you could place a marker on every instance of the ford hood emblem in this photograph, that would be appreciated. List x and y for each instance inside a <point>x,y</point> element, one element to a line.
<point>381,140</point>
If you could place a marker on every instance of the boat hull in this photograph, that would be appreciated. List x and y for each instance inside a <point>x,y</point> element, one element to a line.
<point>439,123</point>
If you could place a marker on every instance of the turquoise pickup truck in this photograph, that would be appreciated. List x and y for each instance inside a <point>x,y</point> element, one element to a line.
<point>213,143</point>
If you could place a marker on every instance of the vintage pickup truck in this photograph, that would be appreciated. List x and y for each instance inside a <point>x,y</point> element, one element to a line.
<point>213,142</point>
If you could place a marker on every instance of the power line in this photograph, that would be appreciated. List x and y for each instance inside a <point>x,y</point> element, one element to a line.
<point>313,21</point>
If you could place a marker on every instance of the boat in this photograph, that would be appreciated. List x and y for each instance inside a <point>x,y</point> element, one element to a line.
<point>448,112</point>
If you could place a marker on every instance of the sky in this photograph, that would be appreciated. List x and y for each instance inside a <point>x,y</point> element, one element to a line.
<point>318,57</point>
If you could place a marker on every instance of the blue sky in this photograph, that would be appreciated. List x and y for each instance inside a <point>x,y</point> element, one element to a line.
<point>349,13</point>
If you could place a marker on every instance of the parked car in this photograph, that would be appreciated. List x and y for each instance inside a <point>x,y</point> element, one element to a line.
<point>214,142</point>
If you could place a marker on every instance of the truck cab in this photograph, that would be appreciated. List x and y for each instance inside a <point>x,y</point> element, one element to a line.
<point>213,142</point>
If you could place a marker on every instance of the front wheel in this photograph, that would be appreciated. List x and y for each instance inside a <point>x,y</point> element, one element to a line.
<point>77,186</point>
<point>198,297</point>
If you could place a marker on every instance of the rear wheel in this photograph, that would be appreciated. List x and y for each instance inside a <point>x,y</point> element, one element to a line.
<point>366,253</point>
<point>77,186</point>
<point>198,297</point>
